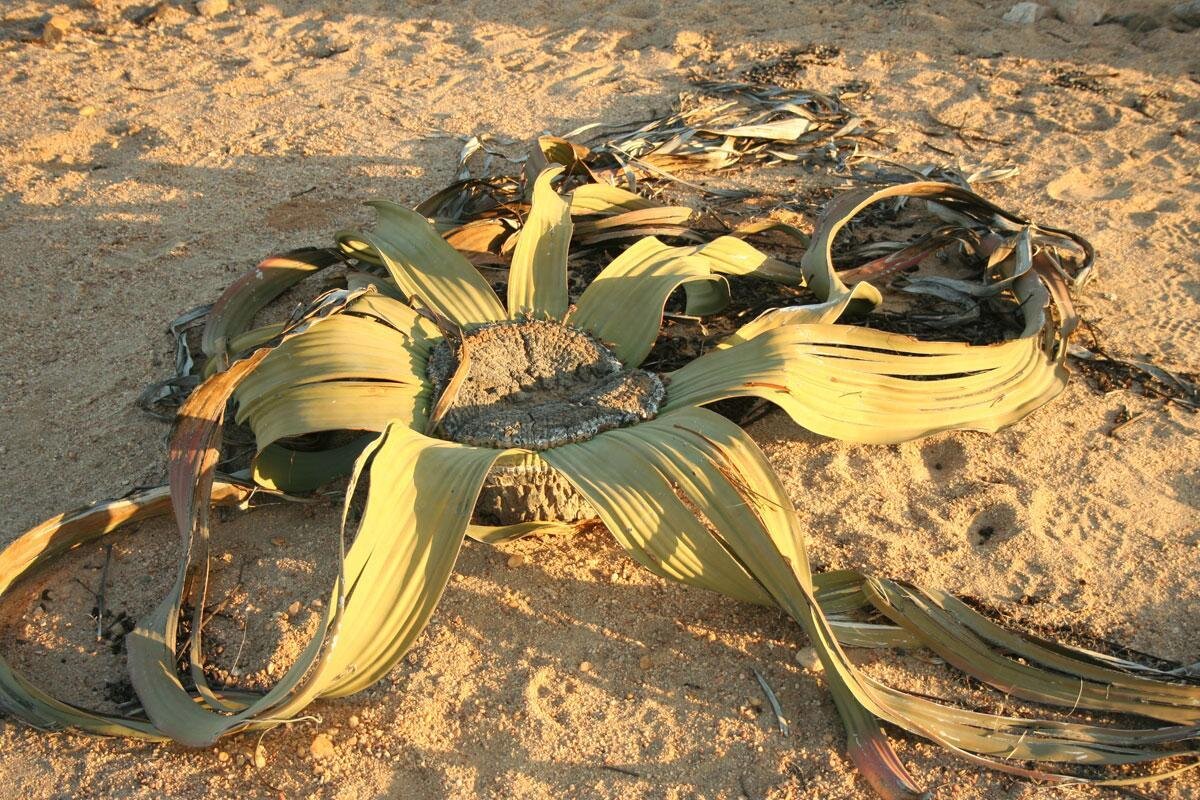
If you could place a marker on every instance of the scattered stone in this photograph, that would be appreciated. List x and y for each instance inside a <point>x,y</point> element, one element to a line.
<point>585,666</point>
<point>1024,14</point>
<point>322,747</point>
<point>260,757</point>
<point>294,608</point>
<point>1188,13</point>
<point>516,560</point>
<point>645,662</point>
<point>807,657</point>
<point>1079,12</point>
<point>211,8</point>
<point>87,111</point>
<point>353,721</point>
<point>223,757</point>
<point>55,30</point>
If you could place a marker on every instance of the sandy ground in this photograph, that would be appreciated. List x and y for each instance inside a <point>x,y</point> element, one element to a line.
<point>143,167</point>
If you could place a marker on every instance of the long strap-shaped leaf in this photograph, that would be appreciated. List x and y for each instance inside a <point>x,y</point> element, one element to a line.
<point>978,646</point>
<point>355,370</point>
<point>637,480</point>
<point>693,461</point>
<point>391,579</point>
<point>1031,275</point>
<point>623,306</point>
<point>537,278</point>
<point>870,386</point>
<point>234,311</point>
<point>347,405</point>
<point>867,386</point>
<point>608,200</point>
<point>424,266</point>
<point>422,494</point>
<point>43,544</point>
<point>342,347</point>
<point>838,593</point>
<point>46,542</point>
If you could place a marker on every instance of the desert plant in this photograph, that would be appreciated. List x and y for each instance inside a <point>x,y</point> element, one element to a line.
<point>441,384</point>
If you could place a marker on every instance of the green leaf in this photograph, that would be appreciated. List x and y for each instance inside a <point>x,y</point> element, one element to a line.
<point>335,406</point>
<point>296,471</point>
<point>495,534</point>
<point>43,544</point>
<point>606,199</point>
<point>340,347</point>
<point>623,306</point>
<point>868,386</point>
<point>732,256</point>
<point>692,483</point>
<point>1009,662</point>
<point>653,217</point>
<point>422,493</point>
<point>694,462</point>
<point>424,266</point>
<point>537,282</point>
<point>234,312</point>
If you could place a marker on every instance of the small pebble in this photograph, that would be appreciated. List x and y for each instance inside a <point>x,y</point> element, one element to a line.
<point>516,560</point>
<point>807,657</point>
<point>585,666</point>
<point>353,721</point>
<point>322,747</point>
<point>1079,12</point>
<point>55,30</point>
<point>223,757</point>
<point>211,8</point>
<point>1188,13</point>
<point>1024,14</point>
<point>294,608</point>
<point>260,757</point>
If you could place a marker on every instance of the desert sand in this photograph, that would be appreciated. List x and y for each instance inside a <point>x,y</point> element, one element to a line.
<point>145,165</point>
